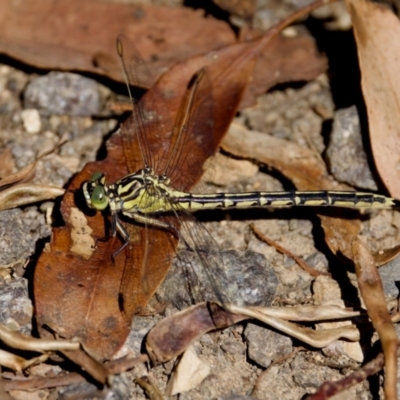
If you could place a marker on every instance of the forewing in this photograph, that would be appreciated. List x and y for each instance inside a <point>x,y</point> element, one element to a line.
<point>149,126</point>
<point>193,140</point>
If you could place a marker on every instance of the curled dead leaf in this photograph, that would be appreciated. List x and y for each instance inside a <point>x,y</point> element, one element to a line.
<point>376,30</point>
<point>20,341</point>
<point>27,193</point>
<point>173,335</point>
<point>371,290</point>
<point>17,363</point>
<point>382,257</point>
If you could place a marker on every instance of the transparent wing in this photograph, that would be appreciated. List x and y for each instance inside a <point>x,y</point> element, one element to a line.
<point>149,124</point>
<point>201,260</point>
<point>176,148</point>
<point>193,139</point>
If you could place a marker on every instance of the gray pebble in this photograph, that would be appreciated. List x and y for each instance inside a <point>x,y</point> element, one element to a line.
<point>345,152</point>
<point>265,345</point>
<point>229,276</point>
<point>233,346</point>
<point>390,275</point>
<point>16,308</point>
<point>234,396</point>
<point>117,390</point>
<point>19,233</point>
<point>63,93</point>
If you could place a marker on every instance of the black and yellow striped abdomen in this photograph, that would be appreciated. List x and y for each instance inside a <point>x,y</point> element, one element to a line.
<point>320,198</point>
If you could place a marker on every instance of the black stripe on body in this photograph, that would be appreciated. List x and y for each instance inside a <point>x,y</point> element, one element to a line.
<point>321,198</point>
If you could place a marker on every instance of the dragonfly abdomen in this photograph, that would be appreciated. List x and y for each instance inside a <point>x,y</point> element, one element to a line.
<point>320,198</point>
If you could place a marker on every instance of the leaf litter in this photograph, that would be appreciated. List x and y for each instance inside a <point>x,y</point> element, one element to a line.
<point>283,223</point>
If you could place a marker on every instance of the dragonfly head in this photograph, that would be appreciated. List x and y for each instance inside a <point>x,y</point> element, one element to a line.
<point>95,192</point>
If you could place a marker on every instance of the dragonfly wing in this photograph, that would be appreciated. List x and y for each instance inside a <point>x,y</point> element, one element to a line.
<point>193,139</point>
<point>148,129</point>
<point>201,261</point>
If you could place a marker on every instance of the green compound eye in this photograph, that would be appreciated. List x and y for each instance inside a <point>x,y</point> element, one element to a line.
<point>99,198</point>
<point>96,176</point>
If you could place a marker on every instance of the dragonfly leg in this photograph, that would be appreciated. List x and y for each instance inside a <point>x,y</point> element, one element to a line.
<point>124,235</point>
<point>114,223</point>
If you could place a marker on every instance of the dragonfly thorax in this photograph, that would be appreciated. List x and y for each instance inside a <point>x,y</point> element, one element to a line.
<point>142,192</point>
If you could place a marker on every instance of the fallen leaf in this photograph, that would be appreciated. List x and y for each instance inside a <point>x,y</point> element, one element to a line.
<point>75,42</point>
<point>149,388</point>
<point>27,193</point>
<point>88,364</point>
<point>174,334</point>
<point>72,34</point>
<point>19,341</point>
<point>376,30</point>
<point>7,163</point>
<point>372,293</point>
<point>189,373</point>
<point>241,8</point>
<point>42,382</point>
<point>284,59</point>
<point>76,296</point>
<point>382,257</point>
<point>17,363</point>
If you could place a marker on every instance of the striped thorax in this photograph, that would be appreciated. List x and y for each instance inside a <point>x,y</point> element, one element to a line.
<point>142,192</point>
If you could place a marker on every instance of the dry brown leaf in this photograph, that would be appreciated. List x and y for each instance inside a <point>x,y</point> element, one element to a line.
<point>75,42</point>
<point>300,164</point>
<point>316,338</point>
<point>284,59</point>
<point>382,257</point>
<point>74,296</point>
<point>90,365</point>
<point>57,380</point>
<point>27,173</point>
<point>189,373</point>
<point>149,387</point>
<point>377,31</point>
<point>17,363</point>
<point>27,193</point>
<point>242,8</point>
<point>7,164</point>
<point>17,340</point>
<point>307,313</point>
<point>174,334</point>
<point>371,290</point>
<point>80,35</point>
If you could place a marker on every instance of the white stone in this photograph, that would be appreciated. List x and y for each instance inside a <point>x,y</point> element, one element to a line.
<point>31,120</point>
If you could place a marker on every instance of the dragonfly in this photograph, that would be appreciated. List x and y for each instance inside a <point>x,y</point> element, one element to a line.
<point>156,190</point>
